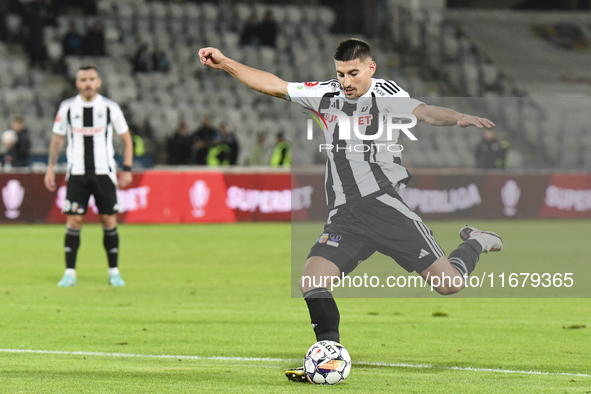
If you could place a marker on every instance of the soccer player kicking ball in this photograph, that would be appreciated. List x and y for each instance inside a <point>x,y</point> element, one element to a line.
<point>366,213</point>
<point>88,121</point>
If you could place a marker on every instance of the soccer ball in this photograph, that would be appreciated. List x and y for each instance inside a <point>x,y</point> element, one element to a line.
<point>9,137</point>
<point>327,362</point>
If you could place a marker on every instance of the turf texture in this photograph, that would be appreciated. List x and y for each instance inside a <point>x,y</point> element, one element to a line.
<point>215,300</point>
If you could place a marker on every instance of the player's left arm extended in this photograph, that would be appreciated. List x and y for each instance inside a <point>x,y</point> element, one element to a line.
<point>125,177</point>
<point>440,116</point>
<point>258,80</point>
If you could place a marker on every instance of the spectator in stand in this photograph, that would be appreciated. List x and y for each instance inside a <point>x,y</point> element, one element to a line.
<point>503,159</point>
<point>281,153</point>
<point>489,150</point>
<point>199,156</point>
<point>206,132</point>
<point>94,41</point>
<point>257,154</point>
<point>4,7</point>
<point>143,61</point>
<point>219,154</point>
<point>35,16</point>
<point>250,32</point>
<point>73,41</point>
<point>203,139</point>
<point>18,154</point>
<point>268,30</point>
<point>179,146</point>
<point>161,62</point>
<point>229,139</point>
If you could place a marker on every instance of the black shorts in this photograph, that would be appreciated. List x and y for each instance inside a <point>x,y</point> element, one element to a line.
<point>381,223</point>
<point>80,187</point>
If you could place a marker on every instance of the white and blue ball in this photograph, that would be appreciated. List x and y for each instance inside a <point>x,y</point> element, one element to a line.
<point>327,362</point>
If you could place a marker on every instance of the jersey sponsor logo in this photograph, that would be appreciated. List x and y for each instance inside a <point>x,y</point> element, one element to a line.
<point>311,84</point>
<point>12,196</point>
<point>89,130</point>
<point>58,118</point>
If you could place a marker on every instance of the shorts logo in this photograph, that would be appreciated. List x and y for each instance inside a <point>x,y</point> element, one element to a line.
<point>72,207</point>
<point>323,238</point>
<point>335,237</point>
<point>334,240</point>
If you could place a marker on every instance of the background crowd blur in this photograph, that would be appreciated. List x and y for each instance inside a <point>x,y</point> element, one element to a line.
<point>181,113</point>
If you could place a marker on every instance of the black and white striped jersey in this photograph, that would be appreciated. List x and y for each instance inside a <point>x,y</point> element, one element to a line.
<point>357,167</point>
<point>89,127</point>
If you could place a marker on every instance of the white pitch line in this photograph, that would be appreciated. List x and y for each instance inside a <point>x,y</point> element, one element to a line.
<point>269,359</point>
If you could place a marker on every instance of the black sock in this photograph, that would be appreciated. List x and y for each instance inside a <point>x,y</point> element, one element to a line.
<point>72,243</point>
<point>465,257</point>
<point>324,314</point>
<point>111,243</point>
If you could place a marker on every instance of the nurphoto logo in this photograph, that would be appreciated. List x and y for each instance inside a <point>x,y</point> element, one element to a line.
<point>393,123</point>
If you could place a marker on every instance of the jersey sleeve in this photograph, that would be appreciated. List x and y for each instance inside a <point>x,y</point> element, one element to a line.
<point>308,94</point>
<point>395,99</point>
<point>118,120</point>
<point>61,122</point>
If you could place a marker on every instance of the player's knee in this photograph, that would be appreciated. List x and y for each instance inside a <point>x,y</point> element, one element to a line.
<point>450,289</point>
<point>318,273</point>
<point>74,221</point>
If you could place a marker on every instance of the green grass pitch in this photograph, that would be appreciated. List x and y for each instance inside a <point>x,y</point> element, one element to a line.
<point>220,295</point>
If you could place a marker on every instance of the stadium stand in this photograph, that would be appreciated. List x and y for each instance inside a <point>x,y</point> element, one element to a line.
<point>430,52</point>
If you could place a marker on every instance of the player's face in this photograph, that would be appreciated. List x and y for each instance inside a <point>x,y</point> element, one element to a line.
<point>88,83</point>
<point>355,76</point>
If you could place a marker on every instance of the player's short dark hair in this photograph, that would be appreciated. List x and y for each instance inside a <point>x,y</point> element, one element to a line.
<point>86,67</point>
<point>352,49</point>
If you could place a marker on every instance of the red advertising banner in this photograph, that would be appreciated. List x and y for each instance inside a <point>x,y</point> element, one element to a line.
<point>216,196</point>
<point>567,196</point>
<point>201,197</point>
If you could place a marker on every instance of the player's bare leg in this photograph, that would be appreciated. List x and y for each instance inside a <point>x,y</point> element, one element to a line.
<point>448,275</point>
<point>72,243</point>
<point>111,244</point>
<point>444,277</point>
<point>319,271</point>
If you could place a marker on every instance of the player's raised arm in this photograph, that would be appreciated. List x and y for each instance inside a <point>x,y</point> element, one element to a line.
<point>261,81</point>
<point>440,116</point>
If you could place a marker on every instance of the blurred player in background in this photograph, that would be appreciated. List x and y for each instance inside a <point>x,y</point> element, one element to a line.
<point>88,121</point>
<point>366,212</point>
